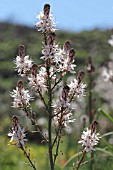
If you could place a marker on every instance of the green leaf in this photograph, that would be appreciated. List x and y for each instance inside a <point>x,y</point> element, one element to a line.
<point>105,114</point>
<point>107,134</point>
<point>104,151</point>
<point>73,157</point>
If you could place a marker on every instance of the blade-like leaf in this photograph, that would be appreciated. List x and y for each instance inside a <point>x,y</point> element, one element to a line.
<point>73,157</point>
<point>107,134</point>
<point>105,151</point>
<point>105,114</point>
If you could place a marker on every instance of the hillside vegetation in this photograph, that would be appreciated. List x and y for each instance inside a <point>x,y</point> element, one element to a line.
<point>87,43</point>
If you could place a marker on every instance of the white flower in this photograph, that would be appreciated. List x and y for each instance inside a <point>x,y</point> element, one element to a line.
<point>110,41</point>
<point>63,62</point>
<point>17,133</point>
<point>23,64</point>
<point>36,82</point>
<point>49,52</point>
<point>107,74</point>
<point>64,118</point>
<point>20,98</point>
<point>46,23</point>
<point>89,140</point>
<point>77,89</point>
<point>62,112</point>
<point>18,137</point>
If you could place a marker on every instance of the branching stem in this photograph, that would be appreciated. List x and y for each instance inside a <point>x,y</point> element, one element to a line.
<point>28,157</point>
<point>79,163</point>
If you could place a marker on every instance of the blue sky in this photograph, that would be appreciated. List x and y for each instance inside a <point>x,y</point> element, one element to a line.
<point>74,15</point>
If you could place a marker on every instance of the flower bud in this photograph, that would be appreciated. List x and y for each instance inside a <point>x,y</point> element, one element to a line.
<point>93,126</point>
<point>20,85</point>
<point>65,92</point>
<point>66,45</point>
<point>21,51</point>
<point>15,119</point>
<point>15,122</point>
<point>51,39</point>
<point>46,9</point>
<point>34,70</point>
<point>90,67</point>
<point>71,55</point>
<point>80,76</point>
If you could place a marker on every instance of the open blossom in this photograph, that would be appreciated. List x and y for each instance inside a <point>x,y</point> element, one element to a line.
<point>62,112</point>
<point>23,62</point>
<point>89,140</point>
<point>46,22</point>
<point>107,74</point>
<point>17,133</point>
<point>21,96</point>
<point>37,78</point>
<point>64,60</point>
<point>24,65</point>
<point>110,41</point>
<point>51,48</point>
<point>77,88</point>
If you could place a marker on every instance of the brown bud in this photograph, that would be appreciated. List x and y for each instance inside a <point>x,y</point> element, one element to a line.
<point>15,120</point>
<point>93,126</point>
<point>65,92</point>
<point>80,76</point>
<point>46,9</point>
<point>34,69</point>
<point>21,51</point>
<point>90,66</point>
<point>20,85</point>
<point>67,45</point>
<point>51,38</point>
<point>71,54</point>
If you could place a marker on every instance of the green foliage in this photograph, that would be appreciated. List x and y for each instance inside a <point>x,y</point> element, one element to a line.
<point>93,43</point>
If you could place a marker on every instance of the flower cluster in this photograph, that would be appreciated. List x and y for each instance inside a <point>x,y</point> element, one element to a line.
<point>46,22</point>
<point>21,96</point>
<point>90,138</point>
<point>62,113</point>
<point>37,79</point>
<point>110,41</point>
<point>17,133</point>
<point>62,59</point>
<point>107,74</point>
<point>23,62</point>
<point>65,58</point>
<point>77,88</point>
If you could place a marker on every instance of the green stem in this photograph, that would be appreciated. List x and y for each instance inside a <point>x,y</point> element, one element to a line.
<point>28,157</point>
<point>90,115</point>
<point>58,142</point>
<point>50,116</point>
<point>79,163</point>
<point>90,99</point>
